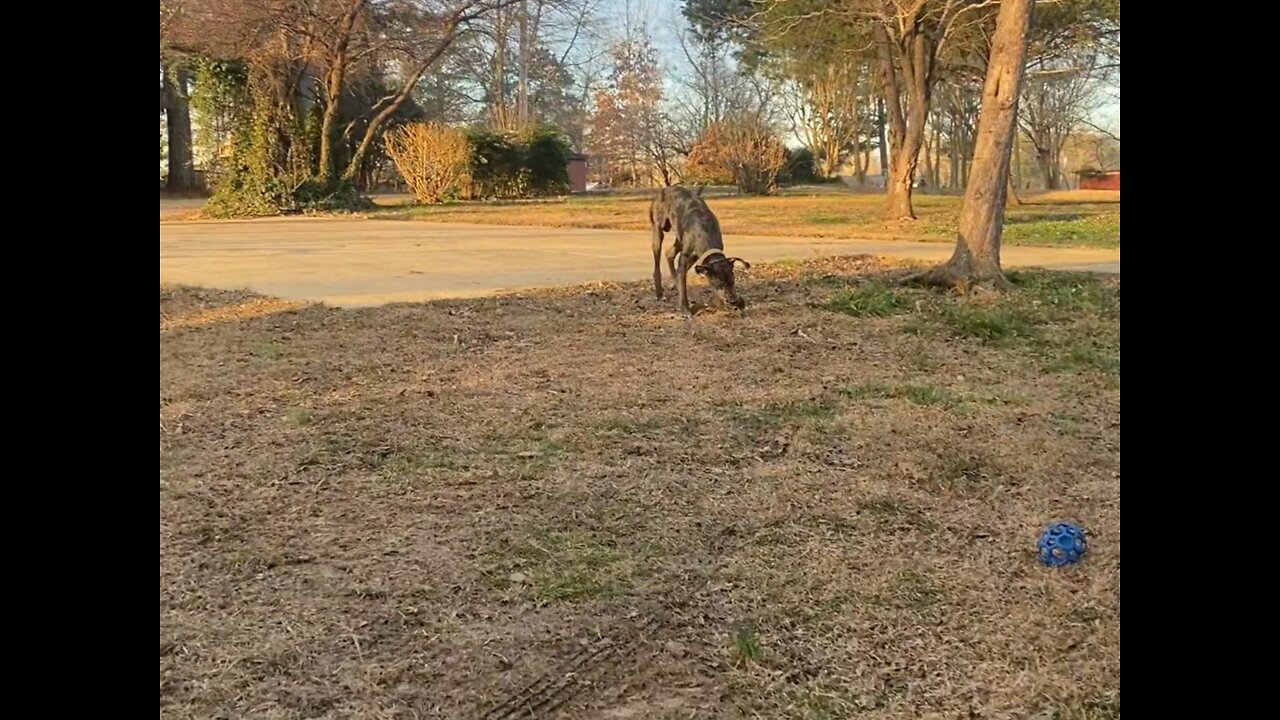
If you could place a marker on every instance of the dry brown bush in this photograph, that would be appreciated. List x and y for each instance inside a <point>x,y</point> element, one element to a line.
<point>745,154</point>
<point>434,160</point>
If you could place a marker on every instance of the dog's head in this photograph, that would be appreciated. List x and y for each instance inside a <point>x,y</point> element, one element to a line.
<point>718,270</point>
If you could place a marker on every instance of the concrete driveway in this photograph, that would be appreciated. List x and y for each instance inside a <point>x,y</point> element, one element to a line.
<point>352,262</point>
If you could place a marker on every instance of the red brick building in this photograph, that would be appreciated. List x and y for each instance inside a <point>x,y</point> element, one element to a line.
<point>1109,180</point>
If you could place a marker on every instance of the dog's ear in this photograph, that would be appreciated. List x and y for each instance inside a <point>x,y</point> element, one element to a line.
<point>700,269</point>
<point>745,264</point>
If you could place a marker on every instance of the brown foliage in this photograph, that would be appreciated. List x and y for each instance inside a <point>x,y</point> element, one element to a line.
<point>745,154</point>
<point>433,159</point>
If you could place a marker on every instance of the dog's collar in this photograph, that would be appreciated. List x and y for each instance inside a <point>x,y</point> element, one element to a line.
<point>703,257</point>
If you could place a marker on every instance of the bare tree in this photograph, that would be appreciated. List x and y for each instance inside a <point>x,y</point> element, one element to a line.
<point>827,113</point>
<point>976,259</point>
<point>526,51</point>
<point>1055,102</point>
<point>710,88</point>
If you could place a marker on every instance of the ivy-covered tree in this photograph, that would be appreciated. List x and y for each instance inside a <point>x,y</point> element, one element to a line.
<point>305,64</point>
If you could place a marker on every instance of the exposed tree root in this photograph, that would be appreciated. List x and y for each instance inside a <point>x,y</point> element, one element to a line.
<point>961,280</point>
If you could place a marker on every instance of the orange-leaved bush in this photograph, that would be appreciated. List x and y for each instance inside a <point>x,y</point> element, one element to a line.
<point>434,159</point>
<point>746,154</point>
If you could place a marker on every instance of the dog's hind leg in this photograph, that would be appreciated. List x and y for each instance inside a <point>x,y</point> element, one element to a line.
<point>657,259</point>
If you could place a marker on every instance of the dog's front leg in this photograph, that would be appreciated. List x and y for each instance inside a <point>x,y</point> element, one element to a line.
<point>682,276</point>
<point>657,260</point>
<point>672,250</point>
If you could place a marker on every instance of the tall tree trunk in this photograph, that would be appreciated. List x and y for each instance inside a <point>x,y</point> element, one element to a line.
<point>1061,177</point>
<point>977,255</point>
<point>1017,160</point>
<point>906,129</point>
<point>182,169</point>
<point>333,87</point>
<point>928,157</point>
<point>954,174</point>
<point>522,72</point>
<point>859,164</point>
<point>1044,159</point>
<point>884,143</point>
<point>937,156</point>
<point>1015,173</point>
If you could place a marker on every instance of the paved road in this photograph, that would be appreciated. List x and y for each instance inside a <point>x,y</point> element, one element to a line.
<point>360,263</point>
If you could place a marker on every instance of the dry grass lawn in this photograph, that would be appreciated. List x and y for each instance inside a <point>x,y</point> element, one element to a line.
<point>573,504</point>
<point>1066,219</point>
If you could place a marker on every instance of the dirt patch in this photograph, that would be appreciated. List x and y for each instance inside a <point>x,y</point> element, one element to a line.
<point>575,504</point>
<point>197,307</point>
<point>180,208</point>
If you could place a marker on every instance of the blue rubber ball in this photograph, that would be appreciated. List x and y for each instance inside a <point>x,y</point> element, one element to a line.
<point>1061,544</point>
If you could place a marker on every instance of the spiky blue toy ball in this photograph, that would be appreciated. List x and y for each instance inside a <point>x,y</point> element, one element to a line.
<point>1061,544</point>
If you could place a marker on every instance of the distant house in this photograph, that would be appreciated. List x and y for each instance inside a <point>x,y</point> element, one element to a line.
<point>1095,180</point>
<point>577,173</point>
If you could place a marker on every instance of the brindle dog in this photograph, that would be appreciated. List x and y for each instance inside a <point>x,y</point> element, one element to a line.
<point>697,243</point>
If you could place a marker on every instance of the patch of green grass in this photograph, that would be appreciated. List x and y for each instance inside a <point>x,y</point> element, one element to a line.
<point>810,414</point>
<point>1068,424</point>
<point>825,219</point>
<point>298,416</point>
<point>1077,229</point>
<point>1068,221</point>
<point>1087,614</point>
<point>1084,353</point>
<point>1066,321</point>
<point>628,425</point>
<point>873,390</point>
<point>567,565</point>
<point>535,443</point>
<point>1059,296</point>
<point>930,395</point>
<point>927,395</point>
<point>995,324</point>
<point>920,358</point>
<point>266,350</point>
<point>338,445</point>
<point>916,590</point>
<point>960,472</point>
<point>870,299</point>
<point>550,447</point>
<point>746,644</point>
<point>883,507</point>
<point>892,515</point>
<point>422,461</point>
